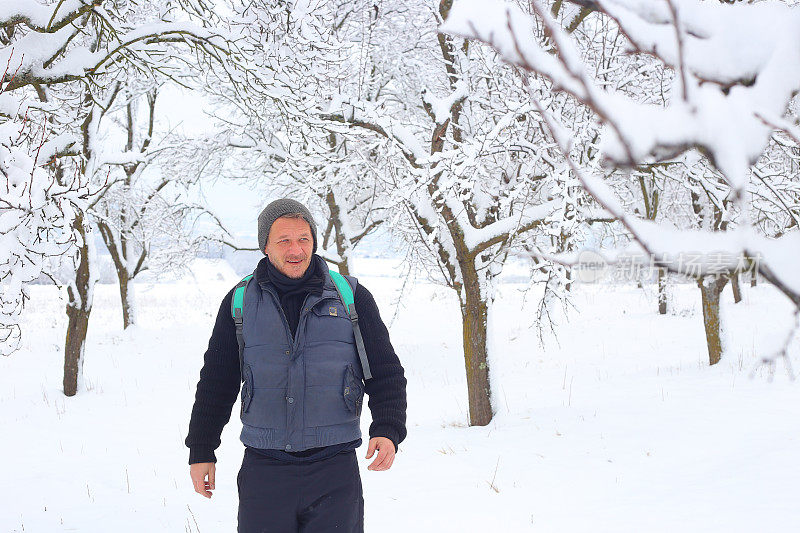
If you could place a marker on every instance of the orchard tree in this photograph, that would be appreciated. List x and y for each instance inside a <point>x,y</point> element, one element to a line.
<point>73,56</point>
<point>731,90</point>
<point>478,176</point>
<point>337,94</point>
<point>298,56</point>
<point>145,218</point>
<point>38,202</point>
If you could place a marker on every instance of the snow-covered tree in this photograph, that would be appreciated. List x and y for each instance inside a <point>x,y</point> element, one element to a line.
<point>361,109</point>
<point>37,203</point>
<point>295,56</point>
<point>72,57</point>
<point>479,177</point>
<point>145,218</point>
<point>735,74</point>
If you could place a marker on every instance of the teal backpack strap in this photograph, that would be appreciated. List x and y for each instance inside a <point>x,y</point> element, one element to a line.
<point>346,294</point>
<point>237,312</point>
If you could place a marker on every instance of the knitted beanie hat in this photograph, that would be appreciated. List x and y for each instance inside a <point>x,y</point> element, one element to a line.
<point>277,209</point>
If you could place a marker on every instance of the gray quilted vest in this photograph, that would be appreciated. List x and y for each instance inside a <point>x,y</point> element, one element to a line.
<point>304,392</point>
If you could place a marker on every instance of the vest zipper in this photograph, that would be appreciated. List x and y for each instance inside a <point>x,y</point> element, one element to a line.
<point>303,311</point>
<point>283,315</point>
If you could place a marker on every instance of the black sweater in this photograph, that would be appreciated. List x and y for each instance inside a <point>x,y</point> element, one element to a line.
<point>220,380</point>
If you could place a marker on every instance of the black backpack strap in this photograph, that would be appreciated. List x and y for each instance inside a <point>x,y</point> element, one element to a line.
<point>237,312</point>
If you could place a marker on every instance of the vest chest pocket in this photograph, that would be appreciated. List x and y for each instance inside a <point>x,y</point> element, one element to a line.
<point>330,323</point>
<point>247,389</point>
<point>331,308</point>
<point>353,391</point>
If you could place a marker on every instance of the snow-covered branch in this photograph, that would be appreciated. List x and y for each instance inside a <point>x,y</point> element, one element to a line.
<point>50,45</point>
<point>728,89</point>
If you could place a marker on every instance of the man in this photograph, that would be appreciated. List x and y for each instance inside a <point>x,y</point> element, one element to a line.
<point>302,391</point>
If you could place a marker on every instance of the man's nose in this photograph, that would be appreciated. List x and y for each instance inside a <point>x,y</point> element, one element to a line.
<point>295,248</point>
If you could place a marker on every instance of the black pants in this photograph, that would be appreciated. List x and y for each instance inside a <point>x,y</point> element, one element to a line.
<point>318,497</point>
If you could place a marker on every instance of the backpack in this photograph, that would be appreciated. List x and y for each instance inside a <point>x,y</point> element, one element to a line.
<point>345,294</point>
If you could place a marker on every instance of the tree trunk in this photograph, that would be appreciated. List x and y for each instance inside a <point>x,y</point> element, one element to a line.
<point>565,246</point>
<point>737,291</point>
<point>662,291</point>
<point>710,290</point>
<point>79,308</point>
<point>126,296</point>
<point>344,267</point>
<point>340,239</point>
<point>119,254</point>
<point>474,314</point>
<point>77,326</point>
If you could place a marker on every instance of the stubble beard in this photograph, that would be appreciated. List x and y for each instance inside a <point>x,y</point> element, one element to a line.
<point>290,268</point>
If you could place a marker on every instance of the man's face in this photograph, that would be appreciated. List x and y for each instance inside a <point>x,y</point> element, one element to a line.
<point>289,246</point>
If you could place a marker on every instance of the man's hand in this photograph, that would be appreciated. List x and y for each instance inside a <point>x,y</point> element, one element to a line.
<point>198,472</point>
<point>385,456</point>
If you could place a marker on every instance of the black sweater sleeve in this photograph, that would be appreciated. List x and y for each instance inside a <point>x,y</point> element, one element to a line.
<point>387,388</point>
<point>217,389</point>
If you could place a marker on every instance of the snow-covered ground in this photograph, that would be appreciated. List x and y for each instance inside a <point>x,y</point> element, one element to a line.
<point>618,425</point>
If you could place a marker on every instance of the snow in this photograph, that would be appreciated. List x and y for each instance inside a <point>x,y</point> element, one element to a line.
<point>725,44</point>
<point>474,237</point>
<point>55,145</point>
<point>37,13</point>
<point>354,110</point>
<point>199,271</point>
<point>781,255</point>
<point>28,56</point>
<point>619,425</point>
<point>12,106</point>
<point>440,107</point>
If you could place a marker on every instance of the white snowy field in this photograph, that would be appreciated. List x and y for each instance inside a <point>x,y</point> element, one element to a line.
<point>619,425</point>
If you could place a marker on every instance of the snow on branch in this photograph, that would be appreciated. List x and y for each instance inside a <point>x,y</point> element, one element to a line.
<point>439,109</point>
<point>44,18</point>
<point>364,115</point>
<point>45,119</point>
<point>476,239</point>
<point>740,61</point>
<point>479,239</point>
<point>49,49</point>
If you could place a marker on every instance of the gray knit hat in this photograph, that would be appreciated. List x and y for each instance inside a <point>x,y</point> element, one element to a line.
<point>277,209</point>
